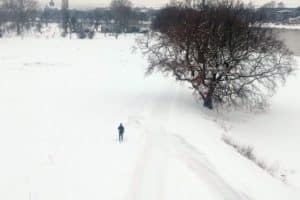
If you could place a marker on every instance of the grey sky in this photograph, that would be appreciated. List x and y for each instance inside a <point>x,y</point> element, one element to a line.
<point>93,3</point>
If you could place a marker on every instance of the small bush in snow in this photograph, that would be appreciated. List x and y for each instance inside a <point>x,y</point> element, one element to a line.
<point>64,34</point>
<point>81,35</point>
<point>261,164</point>
<point>91,34</point>
<point>247,152</point>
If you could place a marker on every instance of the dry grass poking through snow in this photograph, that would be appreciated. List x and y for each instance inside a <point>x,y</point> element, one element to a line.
<point>248,152</point>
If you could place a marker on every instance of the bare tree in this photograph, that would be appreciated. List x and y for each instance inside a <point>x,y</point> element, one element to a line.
<point>122,13</point>
<point>3,17</point>
<point>65,17</point>
<point>21,12</point>
<point>221,51</point>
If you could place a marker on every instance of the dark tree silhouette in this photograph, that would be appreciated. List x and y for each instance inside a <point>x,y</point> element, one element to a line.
<point>21,13</point>
<point>122,13</point>
<point>221,51</point>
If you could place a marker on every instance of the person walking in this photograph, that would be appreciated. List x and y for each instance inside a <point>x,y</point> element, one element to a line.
<point>121,132</point>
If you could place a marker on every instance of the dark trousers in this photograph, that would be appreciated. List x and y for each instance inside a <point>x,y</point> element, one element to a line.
<point>121,137</point>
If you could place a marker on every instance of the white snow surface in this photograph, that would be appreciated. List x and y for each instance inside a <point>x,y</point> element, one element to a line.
<point>61,101</point>
<point>283,26</point>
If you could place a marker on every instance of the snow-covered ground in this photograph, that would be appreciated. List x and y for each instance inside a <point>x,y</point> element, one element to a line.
<point>283,26</point>
<point>61,101</point>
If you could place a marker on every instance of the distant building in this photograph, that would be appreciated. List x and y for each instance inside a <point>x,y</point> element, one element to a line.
<point>295,20</point>
<point>285,14</point>
<point>279,15</point>
<point>194,3</point>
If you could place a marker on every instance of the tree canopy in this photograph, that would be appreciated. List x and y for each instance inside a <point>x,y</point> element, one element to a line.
<point>222,51</point>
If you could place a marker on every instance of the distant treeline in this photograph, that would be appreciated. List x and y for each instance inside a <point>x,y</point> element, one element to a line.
<point>119,17</point>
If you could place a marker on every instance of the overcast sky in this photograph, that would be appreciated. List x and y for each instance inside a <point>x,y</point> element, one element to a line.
<point>156,3</point>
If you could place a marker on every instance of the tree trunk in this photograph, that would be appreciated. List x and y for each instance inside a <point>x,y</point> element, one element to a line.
<point>19,29</point>
<point>208,102</point>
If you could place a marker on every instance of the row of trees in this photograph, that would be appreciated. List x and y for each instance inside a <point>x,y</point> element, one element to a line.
<point>21,13</point>
<point>221,51</point>
<point>119,17</point>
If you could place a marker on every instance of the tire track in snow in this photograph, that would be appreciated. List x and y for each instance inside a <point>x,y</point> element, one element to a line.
<point>149,176</point>
<point>198,163</point>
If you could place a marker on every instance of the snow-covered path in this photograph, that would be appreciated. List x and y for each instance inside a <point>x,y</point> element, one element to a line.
<point>149,177</point>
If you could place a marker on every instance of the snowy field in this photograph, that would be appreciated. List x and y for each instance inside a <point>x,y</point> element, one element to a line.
<point>283,26</point>
<point>61,101</point>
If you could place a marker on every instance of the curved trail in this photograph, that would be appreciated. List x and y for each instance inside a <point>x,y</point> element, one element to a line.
<point>149,176</point>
